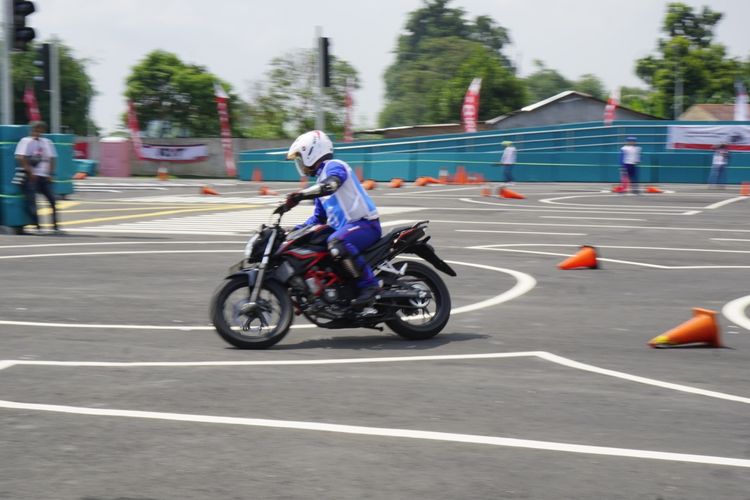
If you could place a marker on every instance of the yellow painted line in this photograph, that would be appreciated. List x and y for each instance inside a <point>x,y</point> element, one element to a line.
<point>61,205</point>
<point>132,209</point>
<point>143,216</point>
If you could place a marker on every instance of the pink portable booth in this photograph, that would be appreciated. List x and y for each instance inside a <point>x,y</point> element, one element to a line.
<point>114,156</point>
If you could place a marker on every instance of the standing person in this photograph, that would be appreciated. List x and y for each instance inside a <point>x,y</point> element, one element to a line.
<point>630,157</point>
<point>36,155</point>
<point>342,203</point>
<point>717,176</point>
<point>508,160</point>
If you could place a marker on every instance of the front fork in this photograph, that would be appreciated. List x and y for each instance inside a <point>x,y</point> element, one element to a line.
<point>252,305</point>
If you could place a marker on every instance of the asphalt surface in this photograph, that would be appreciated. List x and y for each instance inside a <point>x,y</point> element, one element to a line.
<point>542,385</point>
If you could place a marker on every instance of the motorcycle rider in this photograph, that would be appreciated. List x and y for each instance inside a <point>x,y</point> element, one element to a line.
<point>342,203</point>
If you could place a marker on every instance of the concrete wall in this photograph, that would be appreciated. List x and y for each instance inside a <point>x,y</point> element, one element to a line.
<point>212,167</point>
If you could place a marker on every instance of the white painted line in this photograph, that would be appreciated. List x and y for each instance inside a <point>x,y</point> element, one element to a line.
<point>588,226</point>
<point>641,380</point>
<point>725,202</point>
<point>729,239</point>
<point>554,201</point>
<point>214,242</point>
<point>692,212</point>
<point>509,247</point>
<point>386,432</point>
<point>573,209</point>
<point>524,283</point>
<point>516,232</point>
<point>586,218</point>
<point>547,356</point>
<point>734,311</point>
<point>434,190</point>
<point>122,252</point>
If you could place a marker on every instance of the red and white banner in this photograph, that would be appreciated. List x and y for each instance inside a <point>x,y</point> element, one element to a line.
<point>135,133</point>
<point>32,108</point>
<point>611,108</point>
<point>177,154</point>
<point>736,137</point>
<point>740,103</point>
<point>470,109</point>
<point>349,108</point>
<point>222,104</point>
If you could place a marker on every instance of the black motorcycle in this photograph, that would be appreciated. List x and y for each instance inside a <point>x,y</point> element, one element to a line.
<point>287,273</point>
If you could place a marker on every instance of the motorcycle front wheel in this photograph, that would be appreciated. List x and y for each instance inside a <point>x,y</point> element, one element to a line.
<point>245,327</point>
<point>424,318</point>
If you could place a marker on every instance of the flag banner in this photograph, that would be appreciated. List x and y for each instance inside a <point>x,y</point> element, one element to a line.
<point>222,104</point>
<point>32,108</point>
<point>740,103</point>
<point>135,133</point>
<point>176,154</point>
<point>349,104</point>
<point>470,109</point>
<point>736,137</point>
<point>611,108</point>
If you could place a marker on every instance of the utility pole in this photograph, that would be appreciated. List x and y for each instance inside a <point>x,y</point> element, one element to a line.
<point>320,119</point>
<point>54,88</point>
<point>7,83</point>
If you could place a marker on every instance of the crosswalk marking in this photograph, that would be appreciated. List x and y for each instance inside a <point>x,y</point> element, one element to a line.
<point>238,222</point>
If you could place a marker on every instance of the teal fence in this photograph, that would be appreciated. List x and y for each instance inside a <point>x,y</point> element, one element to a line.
<point>576,152</point>
<point>11,199</point>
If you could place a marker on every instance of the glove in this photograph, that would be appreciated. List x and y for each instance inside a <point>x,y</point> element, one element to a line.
<point>292,200</point>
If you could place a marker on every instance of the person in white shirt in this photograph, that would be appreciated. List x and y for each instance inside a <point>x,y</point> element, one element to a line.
<point>716,178</point>
<point>508,160</point>
<point>630,157</point>
<point>37,155</point>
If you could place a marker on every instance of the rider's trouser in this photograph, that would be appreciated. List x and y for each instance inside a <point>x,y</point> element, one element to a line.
<point>357,237</point>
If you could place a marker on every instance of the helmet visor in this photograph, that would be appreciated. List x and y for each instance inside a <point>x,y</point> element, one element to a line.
<point>300,166</point>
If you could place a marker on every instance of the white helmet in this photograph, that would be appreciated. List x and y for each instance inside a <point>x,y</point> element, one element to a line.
<point>308,149</point>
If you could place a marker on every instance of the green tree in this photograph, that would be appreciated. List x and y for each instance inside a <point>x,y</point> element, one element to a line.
<point>545,82</point>
<point>437,56</point>
<point>165,89</point>
<point>284,104</point>
<point>591,85</point>
<point>637,99</point>
<point>76,90</point>
<point>688,59</point>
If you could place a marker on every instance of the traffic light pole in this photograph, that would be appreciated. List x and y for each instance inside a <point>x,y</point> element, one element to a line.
<point>320,117</point>
<point>6,94</point>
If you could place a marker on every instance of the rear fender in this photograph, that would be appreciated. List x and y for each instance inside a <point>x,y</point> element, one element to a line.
<point>427,252</point>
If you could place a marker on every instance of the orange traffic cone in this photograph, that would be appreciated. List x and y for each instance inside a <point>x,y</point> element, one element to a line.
<point>369,184</point>
<point>396,182</point>
<point>486,191</point>
<point>209,190</point>
<point>586,257</point>
<point>162,173</point>
<point>745,189</point>
<point>360,176</point>
<point>264,191</point>
<point>653,189</point>
<point>700,329</point>
<point>618,189</point>
<point>80,176</point>
<point>461,177</point>
<point>257,175</point>
<point>507,193</point>
<point>421,181</point>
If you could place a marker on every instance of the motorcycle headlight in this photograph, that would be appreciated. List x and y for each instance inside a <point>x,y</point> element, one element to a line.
<point>250,244</point>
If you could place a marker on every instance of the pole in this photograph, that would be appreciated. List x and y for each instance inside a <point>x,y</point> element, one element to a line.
<point>7,82</point>
<point>320,118</point>
<point>54,93</point>
<point>677,93</point>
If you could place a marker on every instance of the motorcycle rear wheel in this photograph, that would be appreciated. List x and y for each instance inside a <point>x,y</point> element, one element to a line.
<point>429,320</point>
<point>260,329</point>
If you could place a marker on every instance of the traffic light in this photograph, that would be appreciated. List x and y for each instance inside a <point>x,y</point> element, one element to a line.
<point>325,62</point>
<point>42,61</point>
<point>22,33</point>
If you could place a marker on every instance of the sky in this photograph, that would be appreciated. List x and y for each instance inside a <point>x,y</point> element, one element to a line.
<point>236,39</point>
